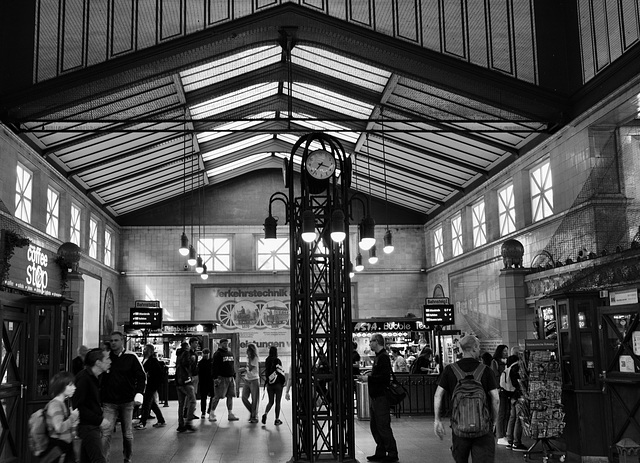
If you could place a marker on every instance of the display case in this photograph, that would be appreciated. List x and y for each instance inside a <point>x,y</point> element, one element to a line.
<point>49,334</point>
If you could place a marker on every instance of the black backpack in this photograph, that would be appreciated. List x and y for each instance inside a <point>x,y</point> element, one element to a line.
<point>470,416</point>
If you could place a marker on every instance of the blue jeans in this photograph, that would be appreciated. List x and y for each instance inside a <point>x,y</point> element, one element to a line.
<point>91,446</point>
<point>251,388</point>
<point>125,412</point>
<point>186,404</point>
<point>514,430</point>
<point>380,426</point>
<point>480,448</point>
<point>503,415</point>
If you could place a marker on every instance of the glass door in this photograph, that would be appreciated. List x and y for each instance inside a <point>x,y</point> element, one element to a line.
<point>12,380</point>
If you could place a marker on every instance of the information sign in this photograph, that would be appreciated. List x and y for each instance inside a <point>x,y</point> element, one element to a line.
<point>145,319</point>
<point>441,314</point>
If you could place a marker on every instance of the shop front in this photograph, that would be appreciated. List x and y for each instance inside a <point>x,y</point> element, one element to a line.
<point>596,325</point>
<point>408,336</point>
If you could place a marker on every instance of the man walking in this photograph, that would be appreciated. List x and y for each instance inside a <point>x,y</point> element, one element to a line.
<point>122,388</point>
<point>155,375</point>
<point>186,392</point>
<point>224,384</point>
<point>87,400</point>
<point>475,439</point>
<point>379,408</point>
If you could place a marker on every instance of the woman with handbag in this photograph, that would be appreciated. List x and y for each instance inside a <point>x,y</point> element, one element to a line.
<point>61,420</point>
<point>251,387</point>
<point>275,383</point>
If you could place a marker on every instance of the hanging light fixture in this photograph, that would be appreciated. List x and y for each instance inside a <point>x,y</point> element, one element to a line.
<point>199,267</point>
<point>204,275</point>
<point>388,239</point>
<point>359,265</point>
<point>338,233</point>
<point>184,241</point>
<point>309,234</point>
<point>351,273</point>
<point>368,225</point>
<point>192,252</point>
<point>373,255</point>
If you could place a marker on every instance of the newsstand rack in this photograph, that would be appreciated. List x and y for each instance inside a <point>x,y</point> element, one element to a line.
<point>540,407</point>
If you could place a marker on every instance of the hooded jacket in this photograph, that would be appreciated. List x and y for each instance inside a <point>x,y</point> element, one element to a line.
<point>223,364</point>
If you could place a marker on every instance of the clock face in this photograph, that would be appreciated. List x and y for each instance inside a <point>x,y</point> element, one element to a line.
<point>320,164</point>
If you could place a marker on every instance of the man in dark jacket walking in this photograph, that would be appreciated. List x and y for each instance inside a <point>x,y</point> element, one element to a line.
<point>122,388</point>
<point>224,373</point>
<point>155,376</point>
<point>379,408</point>
<point>87,400</point>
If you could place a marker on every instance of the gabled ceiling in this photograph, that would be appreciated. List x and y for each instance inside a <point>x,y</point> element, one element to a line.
<point>424,128</point>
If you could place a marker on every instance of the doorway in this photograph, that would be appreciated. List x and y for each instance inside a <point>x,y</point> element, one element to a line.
<point>620,344</point>
<point>13,325</point>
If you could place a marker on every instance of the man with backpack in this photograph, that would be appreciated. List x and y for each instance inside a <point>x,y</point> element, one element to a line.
<point>474,405</point>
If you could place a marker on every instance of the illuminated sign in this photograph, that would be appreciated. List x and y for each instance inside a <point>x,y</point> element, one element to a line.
<point>147,304</point>
<point>145,319</point>
<point>33,270</point>
<point>438,314</point>
<point>378,326</point>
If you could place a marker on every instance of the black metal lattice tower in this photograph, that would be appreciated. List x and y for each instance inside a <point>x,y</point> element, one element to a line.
<point>321,331</point>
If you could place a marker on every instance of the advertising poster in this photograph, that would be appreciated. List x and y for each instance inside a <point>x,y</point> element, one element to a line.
<point>258,313</point>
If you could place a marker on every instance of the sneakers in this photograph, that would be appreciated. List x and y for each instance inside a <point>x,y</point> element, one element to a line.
<point>140,426</point>
<point>159,425</point>
<point>253,420</point>
<point>212,417</point>
<point>503,441</point>
<point>277,422</point>
<point>189,428</point>
<point>519,448</point>
<point>232,417</point>
<point>181,429</point>
<point>264,419</point>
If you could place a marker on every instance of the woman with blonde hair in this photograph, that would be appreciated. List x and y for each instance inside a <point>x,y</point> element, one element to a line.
<point>251,386</point>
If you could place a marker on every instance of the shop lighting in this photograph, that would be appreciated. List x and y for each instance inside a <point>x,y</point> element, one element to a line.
<point>204,275</point>
<point>199,267</point>
<point>359,265</point>
<point>338,233</point>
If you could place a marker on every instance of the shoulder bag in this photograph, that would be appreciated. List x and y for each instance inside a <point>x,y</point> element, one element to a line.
<point>395,391</point>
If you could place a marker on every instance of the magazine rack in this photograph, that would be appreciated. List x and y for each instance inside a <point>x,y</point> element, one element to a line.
<point>540,407</point>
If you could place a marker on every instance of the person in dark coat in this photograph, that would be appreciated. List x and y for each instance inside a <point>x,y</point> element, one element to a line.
<point>87,400</point>
<point>206,381</point>
<point>77,364</point>
<point>379,408</point>
<point>122,388</point>
<point>422,365</point>
<point>155,376</point>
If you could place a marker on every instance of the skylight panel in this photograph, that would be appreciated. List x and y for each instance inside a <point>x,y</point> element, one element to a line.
<point>233,147</point>
<point>237,164</point>
<point>328,99</point>
<point>235,126</point>
<point>233,100</point>
<point>328,127</point>
<point>340,67</point>
<point>229,67</point>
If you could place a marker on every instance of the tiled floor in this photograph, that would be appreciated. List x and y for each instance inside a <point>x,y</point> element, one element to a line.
<point>242,442</point>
